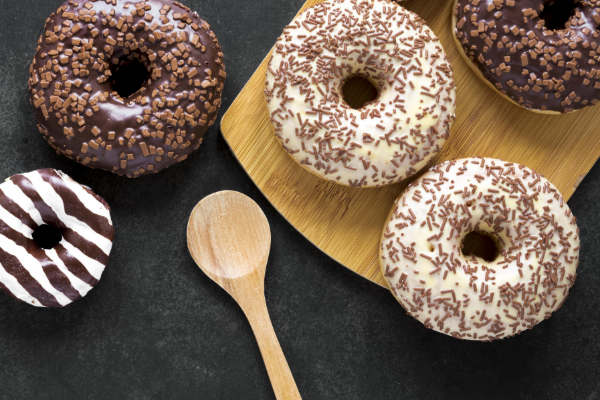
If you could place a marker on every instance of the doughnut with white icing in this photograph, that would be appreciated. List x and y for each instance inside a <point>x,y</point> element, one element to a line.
<point>388,139</point>
<point>465,296</point>
<point>57,276</point>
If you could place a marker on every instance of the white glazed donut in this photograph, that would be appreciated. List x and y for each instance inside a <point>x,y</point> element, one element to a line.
<point>385,141</point>
<point>465,296</point>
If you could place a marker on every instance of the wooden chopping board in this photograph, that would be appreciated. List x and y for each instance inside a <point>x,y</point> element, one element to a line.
<point>346,223</point>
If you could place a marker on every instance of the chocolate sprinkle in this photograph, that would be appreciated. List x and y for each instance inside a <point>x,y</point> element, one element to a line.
<point>538,68</point>
<point>81,114</point>
<point>465,296</point>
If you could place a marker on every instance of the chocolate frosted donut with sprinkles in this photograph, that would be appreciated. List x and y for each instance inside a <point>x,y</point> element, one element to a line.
<point>55,238</point>
<point>384,139</point>
<point>538,54</point>
<point>129,87</point>
<point>436,263</point>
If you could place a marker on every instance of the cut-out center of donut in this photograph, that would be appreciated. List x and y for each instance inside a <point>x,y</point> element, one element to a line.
<point>128,77</point>
<point>47,236</point>
<point>357,91</point>
<point>480,245</point>
<point>557,13</point>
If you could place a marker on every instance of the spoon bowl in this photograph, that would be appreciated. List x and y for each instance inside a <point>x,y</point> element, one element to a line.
<point>230,239</point>
<point>230,236</point>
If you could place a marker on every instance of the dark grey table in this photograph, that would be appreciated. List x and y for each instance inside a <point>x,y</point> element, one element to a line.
<point>156,328</point>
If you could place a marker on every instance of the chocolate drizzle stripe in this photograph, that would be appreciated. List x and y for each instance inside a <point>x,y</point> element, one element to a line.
<point>14,223</point>
<point>48,215</point>
<point>88,248</point>
<point>56,278</point>
<point>46,194</point>
<point>75,266</point>
<point>76,208</point>
<point>94,267</point>
<point>13,266</point>
<point>15,193</point>
<point>94,203</point>
<point>12,207</point>
<point>11,283</point>
<point>80,286</point>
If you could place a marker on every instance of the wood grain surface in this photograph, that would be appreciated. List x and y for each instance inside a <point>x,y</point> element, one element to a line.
<point>230,240</point>
<point>346,223</point>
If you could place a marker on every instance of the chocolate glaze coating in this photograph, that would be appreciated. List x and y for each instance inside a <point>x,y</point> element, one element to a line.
<point>78,110</point>
<point>540,69</point>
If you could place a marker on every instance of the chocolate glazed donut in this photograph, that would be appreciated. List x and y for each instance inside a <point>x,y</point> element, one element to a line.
<point>128,87</point>
<point>542,55</point>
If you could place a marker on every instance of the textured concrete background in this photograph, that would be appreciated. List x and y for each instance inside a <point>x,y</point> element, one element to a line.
<point>156,328</point>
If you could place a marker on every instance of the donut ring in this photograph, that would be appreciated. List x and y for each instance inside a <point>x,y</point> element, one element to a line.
<point>385,141</point>
<point>78,107</point>
<point>509,47</point>
<point>57,276</point>
<point>465,296</point>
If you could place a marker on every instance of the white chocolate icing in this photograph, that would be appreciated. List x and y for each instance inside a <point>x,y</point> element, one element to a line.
<point>466,296</point>
<point>386,140</point>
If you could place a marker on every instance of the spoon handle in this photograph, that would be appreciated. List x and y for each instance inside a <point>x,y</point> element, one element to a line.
<point>279,372</point>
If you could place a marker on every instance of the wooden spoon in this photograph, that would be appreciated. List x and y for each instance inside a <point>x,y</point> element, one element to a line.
<point>229,238</point>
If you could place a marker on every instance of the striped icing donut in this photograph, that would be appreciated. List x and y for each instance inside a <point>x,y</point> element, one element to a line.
<point>385,140</point>
<point>464,295</point>
<point>55,238</point>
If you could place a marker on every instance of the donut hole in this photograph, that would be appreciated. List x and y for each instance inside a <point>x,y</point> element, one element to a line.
<point>129,76</point>
<point>557,13</point>
<point>358,91</point>
<point>480,244</point>
<point>47,236</point>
